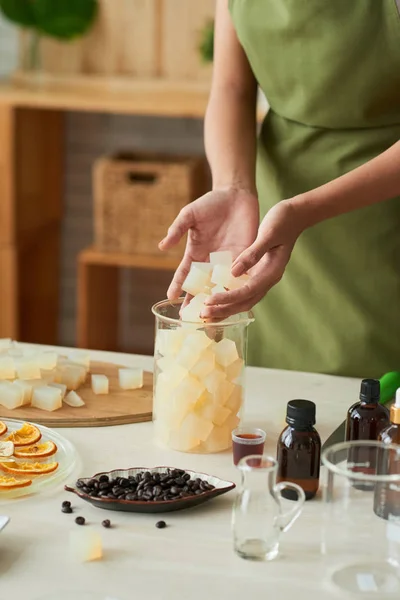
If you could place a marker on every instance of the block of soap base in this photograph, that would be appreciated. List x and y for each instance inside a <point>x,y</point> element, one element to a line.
<point>7,368</point>
<point>85,545</point>
<point>130,379</point>
<point>47,361</point>
<point>100,384</point>
<point>196,281</point>
<point>221,258</point>
<point>47,398</point>
<point>27,368</point>
<point>11,396</point>
<point>26,389</point>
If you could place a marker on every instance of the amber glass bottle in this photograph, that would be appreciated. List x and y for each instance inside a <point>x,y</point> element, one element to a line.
<point>299,449</point>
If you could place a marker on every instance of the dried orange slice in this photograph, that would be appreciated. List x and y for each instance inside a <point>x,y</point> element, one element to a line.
<point>10,483</point>
<point>27,435</point>
<point>36,451</point>
<point>28,468</point>
<point>3,428</point>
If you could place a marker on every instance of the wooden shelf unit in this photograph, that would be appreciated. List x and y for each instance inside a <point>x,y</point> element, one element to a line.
<point>98,298</point>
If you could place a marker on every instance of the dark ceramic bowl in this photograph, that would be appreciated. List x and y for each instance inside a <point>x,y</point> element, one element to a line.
<point>220,487</point>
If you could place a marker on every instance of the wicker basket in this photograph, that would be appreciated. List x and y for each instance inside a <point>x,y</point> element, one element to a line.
<point>136,198</point>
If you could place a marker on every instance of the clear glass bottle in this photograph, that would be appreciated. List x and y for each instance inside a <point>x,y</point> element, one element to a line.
<point>299,449</point>
<point>198,380</point>
<point>258,517</point>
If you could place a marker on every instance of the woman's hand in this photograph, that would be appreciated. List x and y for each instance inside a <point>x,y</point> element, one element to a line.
<point>224,219</point>
<point>265,261</point>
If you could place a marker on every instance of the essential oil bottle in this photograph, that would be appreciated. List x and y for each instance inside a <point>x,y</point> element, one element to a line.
<point>367,418</point>
<point>299,449</point>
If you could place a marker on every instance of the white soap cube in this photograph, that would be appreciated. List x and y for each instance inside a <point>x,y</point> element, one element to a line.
<point>130,379</point>
<point>169,341</point>
<point>191,314</point>
<point>80,358</point>
<point>196,281</point>
<point>100,384</point>
<point>198,341</point>
<point>237,282</point>
<point>165,363</point>
<point>183,441</point>
<point>196,427</point>
<point>205,365</point>
<point>214,380</point>
<point>226,352</point>
<point>218,289</point>
<point>203,266</point>
<point>60,386</point>
<point>5,343</point>
<point>26,389</point>
<point>219,439</point>
<point>234,370</point>
<point>221,275</point>
<point>221,258</point>
<point>235,400</point>
<point>224,391</point>
<point>174,375</point>
<point>47,361</point>
<point>71,375</point>
<point>7,368</point>
<point>47,398</point>
<point>86,545</point>
<point>11,396</point>
<point>73,400</point>
<point>220,415</point>
<point>27,368</point>
<point>48,376</point>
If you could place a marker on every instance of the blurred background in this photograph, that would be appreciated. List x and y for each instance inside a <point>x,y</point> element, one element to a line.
<point>101,129</point>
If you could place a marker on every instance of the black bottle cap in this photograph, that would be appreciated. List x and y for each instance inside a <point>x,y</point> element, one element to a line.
<point>300,412</point>
<point>370,391</point>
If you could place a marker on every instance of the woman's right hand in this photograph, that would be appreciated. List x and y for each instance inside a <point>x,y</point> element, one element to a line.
<point>223,219</point>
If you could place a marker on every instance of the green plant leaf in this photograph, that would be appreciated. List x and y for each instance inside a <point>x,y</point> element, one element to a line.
<point>206,46</point>
<point>65,19</point>
<point>19,12</point>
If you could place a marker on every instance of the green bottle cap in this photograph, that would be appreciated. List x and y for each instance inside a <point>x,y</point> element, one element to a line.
<point>389,384</point>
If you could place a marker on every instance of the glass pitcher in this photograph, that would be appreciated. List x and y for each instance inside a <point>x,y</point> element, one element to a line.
<point>198,380</point>
<point>361,521</point>
<point>259,518</point>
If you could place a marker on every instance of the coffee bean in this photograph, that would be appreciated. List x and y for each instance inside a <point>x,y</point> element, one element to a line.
<point>80,520</point>
<point>103,494</point>
<point>106,523</point>
<point>91,483</point>
<point>161,524</point>
<point>66,503</point>
<point>103,478</point>
<point>85,489</point>
<point>104,485</point>
<point>131,497</point>
<point>66,509</point>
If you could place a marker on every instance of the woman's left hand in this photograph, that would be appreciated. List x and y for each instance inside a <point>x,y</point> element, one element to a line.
<point>265,262</point>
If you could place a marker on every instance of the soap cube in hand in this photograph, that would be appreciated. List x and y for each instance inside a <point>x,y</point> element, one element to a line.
<point>47,398</point>
<point>196,281</point>
<point>100,384</point>
<point>86,545</point>
<point>221,275</point>
<point>221,258</point>
<point>237,282</point>
<point>130,379</point>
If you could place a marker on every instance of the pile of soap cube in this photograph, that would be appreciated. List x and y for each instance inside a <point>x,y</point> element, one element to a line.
<point>198,394</point>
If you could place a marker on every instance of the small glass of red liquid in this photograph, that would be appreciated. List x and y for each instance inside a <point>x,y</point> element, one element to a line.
<point>247,441</point>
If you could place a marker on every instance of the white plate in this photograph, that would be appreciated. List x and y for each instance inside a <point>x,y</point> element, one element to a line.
<point>66,456</point>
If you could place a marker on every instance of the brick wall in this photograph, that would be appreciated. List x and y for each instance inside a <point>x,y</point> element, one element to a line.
<point>89,136</point>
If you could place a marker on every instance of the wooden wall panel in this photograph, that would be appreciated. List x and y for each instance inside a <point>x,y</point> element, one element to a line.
<point>8,293</point>
<point>7,213</point>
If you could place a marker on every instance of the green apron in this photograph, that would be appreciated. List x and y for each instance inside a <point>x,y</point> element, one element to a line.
<point>330,70</point>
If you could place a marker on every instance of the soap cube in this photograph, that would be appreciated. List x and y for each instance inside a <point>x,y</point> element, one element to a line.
<point>224,391</point>
<point>214,380</point>
<point>60,386</point>
<point>130,379</point>
<point>220,439</point>
<point>27,368</point>
<point>221,258</point>
<point>183,441</point>
<point>165,363</point>
<point>218,289</point>
<point>203,266</point>
<point>47,398</point>
<point>226,352</point>
<point>191,312</point>
<point>234,402</point>
<point>71,375</point>
<point>234,370</point>
<point>188,356</point>
<point>7,368</point>
<point>5,343</point>
<point>47,361</point>
<point>169,341</point>
<point>48,376</point>
<point>198,341</point>
<point>100,384</point>
<point>11,396</point>
<point>80,358</point>
<point>174,375</point>
<point>196,281</point>
<point>195,426</point>
<point>86,545</point>
<point>237,282</point>
<point>74,400</point>
<point>221,275</point>
<point>220,415</point>
<point>26,389</point>
<point>205,364</point>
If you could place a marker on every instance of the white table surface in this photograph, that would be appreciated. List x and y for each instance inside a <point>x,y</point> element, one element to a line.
<point>193,557</point>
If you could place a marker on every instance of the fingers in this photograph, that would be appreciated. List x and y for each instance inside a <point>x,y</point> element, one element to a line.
<point>249,258</point>
<point>224,311</point>
<point>183,222</point>
<point>175,288</point>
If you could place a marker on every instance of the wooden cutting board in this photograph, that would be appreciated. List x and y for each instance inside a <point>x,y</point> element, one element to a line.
<point>118,407</point>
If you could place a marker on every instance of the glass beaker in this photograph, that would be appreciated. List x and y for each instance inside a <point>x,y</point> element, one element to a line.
<point>198,379</point>
<point>361,522</point>
<point>258,517</point>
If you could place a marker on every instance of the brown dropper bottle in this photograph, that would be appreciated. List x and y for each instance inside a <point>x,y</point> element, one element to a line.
<point>299,449</point>
<point>387,496</point>
<point>367,418</point>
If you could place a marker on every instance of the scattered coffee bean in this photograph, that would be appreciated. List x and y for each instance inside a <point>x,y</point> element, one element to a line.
<point>106,523</point>
<point>80,520</point>
<point>66,503</point>
<point>66,509</point>
<point>161,524</point>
